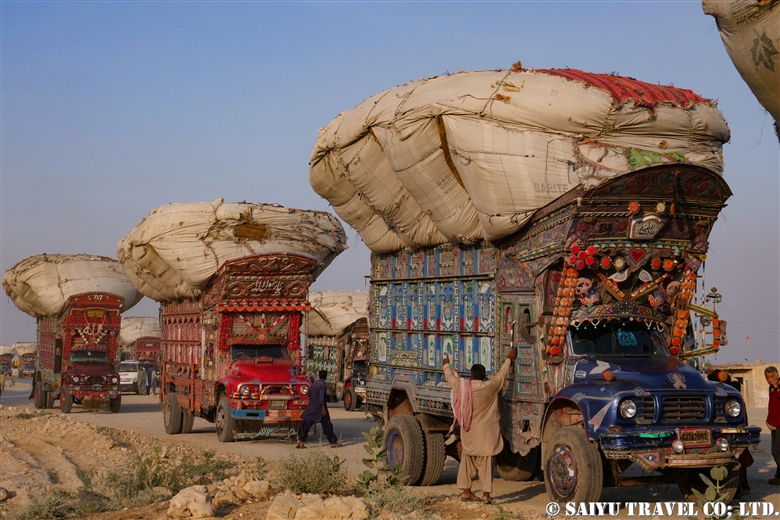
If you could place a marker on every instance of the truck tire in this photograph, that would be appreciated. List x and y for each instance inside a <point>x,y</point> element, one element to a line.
<point>116,404</point>
<point>49,400</point>
<point>435,455</point>
<point>66,402</point>
<point>187,419</point>
<point>223,421</point>
<point>172,415</point>
<point>405,443</point>
<point>350,399</point>
<point>39,396</point>
<point>516,467</point>
<point>694,481</point>
<point>572,467</point>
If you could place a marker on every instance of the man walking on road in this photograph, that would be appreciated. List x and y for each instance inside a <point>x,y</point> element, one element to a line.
<point>476,409</point>
<point>317,412</point>
<point>773,418</point>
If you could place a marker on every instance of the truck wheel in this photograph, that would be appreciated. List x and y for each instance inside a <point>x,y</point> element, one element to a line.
<point>405,445</point>
<point>66,402</point>
<point>39,396</point>
<point>187,419</point>
<point>49,400</point>
<point>224,422</point>
<point>435,455</point>
<point>116,404</point>
<point>515,467</point>
<point>172,414</point>
<point>350,399</point>
<point>572,467</point>
<point>694,481</point>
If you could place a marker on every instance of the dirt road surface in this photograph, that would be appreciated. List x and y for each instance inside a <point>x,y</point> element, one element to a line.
<point>142,415</point>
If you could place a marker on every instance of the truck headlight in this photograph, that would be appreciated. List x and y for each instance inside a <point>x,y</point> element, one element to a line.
<point>245,390</point>
<point>733,408</point>
<point>114,380</point>
<point>628,409</point>
<point>304,390</point>
<point>75,379</point>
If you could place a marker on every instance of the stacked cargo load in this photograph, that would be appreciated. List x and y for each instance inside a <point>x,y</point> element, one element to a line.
<point>336,330</point>
<point>750,30</point>
<point>232,280</point>
<point>78,301</point>
<point>559,212</point>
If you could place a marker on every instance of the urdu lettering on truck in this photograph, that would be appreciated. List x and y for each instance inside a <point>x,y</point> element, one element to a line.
<point>336,330</point>
<point>232,280</point>
<point>594,284</point>
<point>78,301</point>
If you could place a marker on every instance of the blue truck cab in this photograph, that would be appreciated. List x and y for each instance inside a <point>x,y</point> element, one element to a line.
<point>598,294</point>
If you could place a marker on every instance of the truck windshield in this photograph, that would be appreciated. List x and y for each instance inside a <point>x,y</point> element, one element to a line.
<point>256,351</point>
<point>81,356</point>
<point>617,339</point>
<point>127,367</point>
<point>359,368</point>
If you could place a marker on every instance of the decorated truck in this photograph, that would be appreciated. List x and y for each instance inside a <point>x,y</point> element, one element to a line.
<point>26,351</point>
<point>336,330</point>
<point>232,280</point>
<point>6,359</point>
<point>559,212</point>
<point>78,301</point>
<point>140,339</point>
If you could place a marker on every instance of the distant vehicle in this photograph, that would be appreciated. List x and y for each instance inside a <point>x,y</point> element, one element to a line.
<point>131,377</point>
<point>5,369</point>
<point>27,371</point>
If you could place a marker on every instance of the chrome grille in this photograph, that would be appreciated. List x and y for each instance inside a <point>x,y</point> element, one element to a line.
<point>684,409</point>
<point>645,409</point>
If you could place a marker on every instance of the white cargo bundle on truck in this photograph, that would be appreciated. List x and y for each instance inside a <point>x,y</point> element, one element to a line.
<point>471,156</point>
<point>41,285</point>
<point>21,348</point>
<point>175,251</point>
<point>134,327</point>
<point>750,30</point>
<point>333,311</point>
<point>6,349</point>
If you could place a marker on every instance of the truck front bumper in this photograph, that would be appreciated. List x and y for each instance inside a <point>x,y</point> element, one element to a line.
<point>653,449</point>
<point>267,416</point>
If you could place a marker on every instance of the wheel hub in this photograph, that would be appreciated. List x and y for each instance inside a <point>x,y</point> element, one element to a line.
<point>563,471</point>
<point>395,451</point>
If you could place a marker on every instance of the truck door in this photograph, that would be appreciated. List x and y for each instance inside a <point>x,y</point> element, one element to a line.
<point>58,355</point>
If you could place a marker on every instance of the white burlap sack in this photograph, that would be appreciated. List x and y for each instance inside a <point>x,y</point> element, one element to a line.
<point>750,30</point>
<point>24,347</point>
<point>41,285</point>
<point>134,327</point>
<point>175,251</point>
<point>472,155</point>
<point>333,311</point>
<point>6,349</point>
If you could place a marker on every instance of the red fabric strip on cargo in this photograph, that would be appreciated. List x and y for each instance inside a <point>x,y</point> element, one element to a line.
<point>622,88</point>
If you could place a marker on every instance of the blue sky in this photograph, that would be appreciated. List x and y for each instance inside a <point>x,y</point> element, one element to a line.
<point>111,109</point>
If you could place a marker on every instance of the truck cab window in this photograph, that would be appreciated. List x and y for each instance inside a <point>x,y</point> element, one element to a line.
<point>617,339</point>
<point>81,356</point>
<point>259,351</point>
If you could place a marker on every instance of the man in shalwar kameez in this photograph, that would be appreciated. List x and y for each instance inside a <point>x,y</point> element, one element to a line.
<point>480,432</point>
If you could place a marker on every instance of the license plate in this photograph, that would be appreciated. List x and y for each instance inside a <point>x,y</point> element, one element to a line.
<point>97,388</point>
<point>278,404</point>
<point>696,437</point>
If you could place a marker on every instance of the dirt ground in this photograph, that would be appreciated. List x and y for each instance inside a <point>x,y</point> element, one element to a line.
<point>44,449</point>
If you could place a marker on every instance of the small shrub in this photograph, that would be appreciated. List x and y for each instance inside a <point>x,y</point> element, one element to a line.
<point>261,468</point>
<point>25,415</point>
<point>314,473</point>
<point>377,461</point>
<point>56,505</point>
<point>714,491</point>
<point>395,499</point>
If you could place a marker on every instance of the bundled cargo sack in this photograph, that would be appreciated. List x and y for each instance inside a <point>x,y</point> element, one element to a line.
<point>471,156</point>
<point>22,348</point>
<point>750,30</point>
<point>175,251</point>
<point>333,311</point>
<point>41,285</point>
<point>134,327</point>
